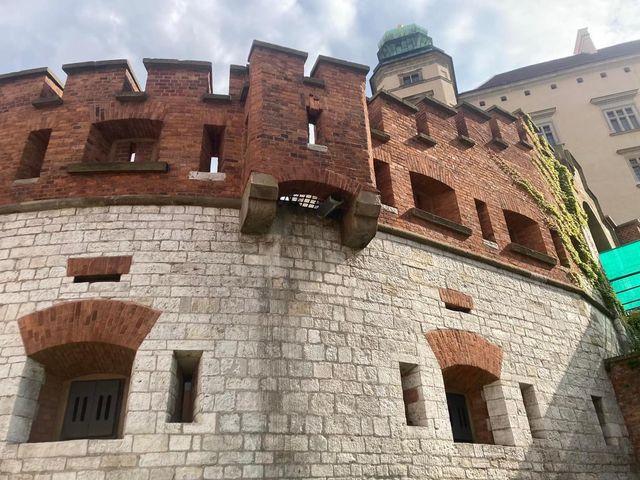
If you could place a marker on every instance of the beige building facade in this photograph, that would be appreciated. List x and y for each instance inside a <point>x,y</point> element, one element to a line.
<point>587,104</point>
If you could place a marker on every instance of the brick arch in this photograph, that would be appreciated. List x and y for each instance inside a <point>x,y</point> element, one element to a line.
<point>316,182</point>
<point>97,321</point>
<point>463,353</point>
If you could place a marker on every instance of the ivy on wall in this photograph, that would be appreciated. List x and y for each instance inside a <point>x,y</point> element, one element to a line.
<point>568,217</point>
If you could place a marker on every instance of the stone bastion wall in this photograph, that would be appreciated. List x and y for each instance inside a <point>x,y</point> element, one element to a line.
<point>314,360</point>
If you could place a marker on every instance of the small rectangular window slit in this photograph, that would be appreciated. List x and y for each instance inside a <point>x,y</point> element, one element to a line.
<point>96,278</point>
<point>597,405</point>
<point>414,405</point>
<point>532,409</point>
<point>184,386</point>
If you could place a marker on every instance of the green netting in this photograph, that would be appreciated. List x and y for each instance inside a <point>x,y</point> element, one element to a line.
<point>622,266</point>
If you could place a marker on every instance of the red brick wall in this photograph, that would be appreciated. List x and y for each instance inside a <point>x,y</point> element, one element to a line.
<point>265,130</point>
<point>98,266</point>
<point>625,377</point>
<point>470,171</point>
<point>628,232</point>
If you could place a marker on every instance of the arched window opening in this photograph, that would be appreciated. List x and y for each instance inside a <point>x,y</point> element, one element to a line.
<point>524,231</point>
<point>435,197</point>
<point>82,395</point>
<point>126,140</point>
<point>467,406</point>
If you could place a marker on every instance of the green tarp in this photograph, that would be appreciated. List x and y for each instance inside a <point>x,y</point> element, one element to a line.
<point>622,266</point>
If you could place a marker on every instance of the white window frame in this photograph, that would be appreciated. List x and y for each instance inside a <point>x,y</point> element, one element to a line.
<point>540,130</point>
<point>634,165</point>
<point>623,113</point>
<point>410,75</point>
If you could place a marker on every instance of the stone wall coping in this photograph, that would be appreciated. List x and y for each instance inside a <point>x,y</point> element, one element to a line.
<point>95,65</point>
<point>358,67</point>
<point>175,63</point>
<point>277,48</point>
<point>394,98</point>
<point>622,358</point>
<point>31,72</point>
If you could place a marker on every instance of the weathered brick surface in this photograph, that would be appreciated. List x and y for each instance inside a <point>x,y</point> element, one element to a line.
<point>629,232</point>
<point>98,266</point>
<point>301,342</point>
<point>100,321</point>
<point>625,376</point>
<point>455,299</point>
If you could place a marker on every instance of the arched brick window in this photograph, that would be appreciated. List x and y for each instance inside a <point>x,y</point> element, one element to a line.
<point>435,197</point>
<point>469,363</point>
<point>86,349</point>
<point>524,231</point>
<point>124,140</point>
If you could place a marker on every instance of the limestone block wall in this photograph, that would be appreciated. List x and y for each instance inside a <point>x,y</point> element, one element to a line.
<point>301,341</point>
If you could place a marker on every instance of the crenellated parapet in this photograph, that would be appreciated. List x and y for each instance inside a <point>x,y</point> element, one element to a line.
<point>278,137</point>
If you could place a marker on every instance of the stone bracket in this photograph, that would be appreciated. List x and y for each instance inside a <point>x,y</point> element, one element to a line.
<point>259,204</point>
<point>360,222</point>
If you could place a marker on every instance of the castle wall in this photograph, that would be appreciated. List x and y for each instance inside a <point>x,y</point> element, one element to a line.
<point>301,340</point>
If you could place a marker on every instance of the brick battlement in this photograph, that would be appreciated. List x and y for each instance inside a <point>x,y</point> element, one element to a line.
<point>433,166</point>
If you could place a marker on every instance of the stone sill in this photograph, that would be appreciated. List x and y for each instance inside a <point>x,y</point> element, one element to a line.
<point>389,208</point>
<point>46,102</point>
<point>114,167</point>
<point>426,139</point>
<point>443,222</point>
<point>525,144</point>
<point>317,148</point>
<point>490,244</point>
<point>380,135</point>
<point>469,142</point>
<point>216,98</point>
<point>131,97</point>
<point>207,176</point>
<point>527,252</point>
<point>633,130</point>
<point>26,181</point>
<point>500,143</point>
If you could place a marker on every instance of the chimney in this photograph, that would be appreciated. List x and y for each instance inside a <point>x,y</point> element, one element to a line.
<point>584,44</point>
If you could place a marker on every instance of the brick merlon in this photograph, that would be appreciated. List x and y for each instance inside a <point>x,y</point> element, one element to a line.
<point>277,48</point>
<point>390,96</point>
<point>239,69</point>
<point>358,67</point>
<point>180,64</point>
<point>472,108</point>
<point>495,109</point>
<point>428,100</point>
<point>69,68</point>
<point>8,77</point>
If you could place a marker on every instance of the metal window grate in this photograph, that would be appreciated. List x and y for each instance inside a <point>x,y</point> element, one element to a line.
<point>303,200</point>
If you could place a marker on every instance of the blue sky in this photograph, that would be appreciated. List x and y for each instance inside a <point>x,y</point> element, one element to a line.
<point>483,36</point>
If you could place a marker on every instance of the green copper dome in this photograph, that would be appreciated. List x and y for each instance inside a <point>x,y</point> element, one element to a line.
<point>402,40</point>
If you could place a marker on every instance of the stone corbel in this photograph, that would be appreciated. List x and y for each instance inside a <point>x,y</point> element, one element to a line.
<point>259,203</point>
<point>360,222</point>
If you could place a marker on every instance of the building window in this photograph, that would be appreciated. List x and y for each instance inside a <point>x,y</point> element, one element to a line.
<point>183,398</point>
<point>579,80</point>
<point>485,221</point>
<point>211,148</point>
<point>503,98</point>
<point>93,409</point>
<point>622,119</point>
<point>532,410</point>
<point>627,69</point>
<point>435,197</point>
<point>459,418</point>
<point>527,93</point>
<point>553,86</point>
<point>482,103</point>
<point>414,406</point>
<point>524,231</point>
<point>383,182</point>
<point>603,74</point>
<point>410,78</point>
<point>33,154</point>
<point>634,163</point>
<point>548,132</point>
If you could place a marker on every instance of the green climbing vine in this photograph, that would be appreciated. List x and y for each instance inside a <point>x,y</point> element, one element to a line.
<point>569,218</point>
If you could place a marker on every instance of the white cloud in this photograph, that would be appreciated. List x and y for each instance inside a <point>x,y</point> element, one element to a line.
<point>484,37</point>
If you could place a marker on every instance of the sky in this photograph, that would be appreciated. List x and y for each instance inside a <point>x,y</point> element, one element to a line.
<point>484,37</point>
